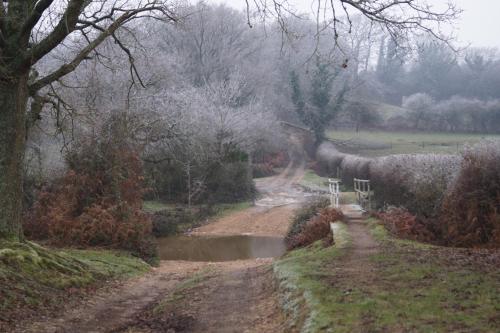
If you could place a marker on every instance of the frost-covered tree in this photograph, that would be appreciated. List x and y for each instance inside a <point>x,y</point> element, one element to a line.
<point>419,105</point>
<point>43,41</point>
<point>31,30</point>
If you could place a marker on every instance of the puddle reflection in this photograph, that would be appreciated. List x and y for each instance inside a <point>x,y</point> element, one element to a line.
<point>219,248</point>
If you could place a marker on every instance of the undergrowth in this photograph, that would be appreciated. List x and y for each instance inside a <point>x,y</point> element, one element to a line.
<point>98,201</point>
<point>303,215</point>
<point>315,229</point>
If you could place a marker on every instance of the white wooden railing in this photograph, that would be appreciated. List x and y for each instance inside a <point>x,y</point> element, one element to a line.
<point>363,193</point>
<point>334,187</point>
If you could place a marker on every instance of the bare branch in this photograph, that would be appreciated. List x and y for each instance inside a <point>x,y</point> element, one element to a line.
<point>65,26</point>
<point>399,18</point>
<point>35,16</point>
<point>105,33</point>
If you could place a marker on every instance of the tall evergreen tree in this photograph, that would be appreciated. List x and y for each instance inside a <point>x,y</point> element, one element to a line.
<point>322,104</point>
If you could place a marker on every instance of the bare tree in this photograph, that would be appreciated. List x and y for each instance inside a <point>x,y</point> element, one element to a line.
<point>399,18</point>
<point>30,30</point>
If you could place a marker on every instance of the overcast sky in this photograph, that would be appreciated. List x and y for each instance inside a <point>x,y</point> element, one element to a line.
<point>479,24</point>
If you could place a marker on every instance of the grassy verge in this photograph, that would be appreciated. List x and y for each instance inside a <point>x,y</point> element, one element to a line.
<point>106,263</point>
<point>429,288</point>
<point>300,274</point>
<point>413,287</point>
<point>34,278</point>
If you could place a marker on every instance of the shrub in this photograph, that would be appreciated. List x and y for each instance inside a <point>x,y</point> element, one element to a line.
<point>316,228</point>
<point>331,161</point>
<point>230,182</point>
<point>98,202</point>
<point>470,214</point>
<point>167,180</point>
<point>304,214</point>
<point>416,182</point>
<point>402,223</point>
<point>166,222</point>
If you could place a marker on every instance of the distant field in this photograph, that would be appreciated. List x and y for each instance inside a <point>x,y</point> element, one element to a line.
<point>377,143</point>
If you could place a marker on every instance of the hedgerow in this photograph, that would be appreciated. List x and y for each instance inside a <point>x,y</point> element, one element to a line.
<point>448,199</point>
<point>417,182</point>
<point>470,214</point>
<point>353,166</point>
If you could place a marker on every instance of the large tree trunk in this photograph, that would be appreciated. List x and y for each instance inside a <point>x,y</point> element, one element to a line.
<point>13,102</point>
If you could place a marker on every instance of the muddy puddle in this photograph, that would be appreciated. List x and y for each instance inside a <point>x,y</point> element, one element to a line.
<point>219,248</point>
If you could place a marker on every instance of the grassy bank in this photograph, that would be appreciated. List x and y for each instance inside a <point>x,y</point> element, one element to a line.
<point>303,294</point>
<point>379,143</point>
<point>35,279</point>
<point>414,288</point>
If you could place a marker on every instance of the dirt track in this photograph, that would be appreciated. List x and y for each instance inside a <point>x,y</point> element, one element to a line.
<point>237,296</point>
<point>269,217</point>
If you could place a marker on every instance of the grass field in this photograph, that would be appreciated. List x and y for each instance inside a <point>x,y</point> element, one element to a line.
<point>378,143</point>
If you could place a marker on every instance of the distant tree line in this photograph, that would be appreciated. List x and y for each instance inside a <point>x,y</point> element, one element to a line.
<point>441,90</point>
